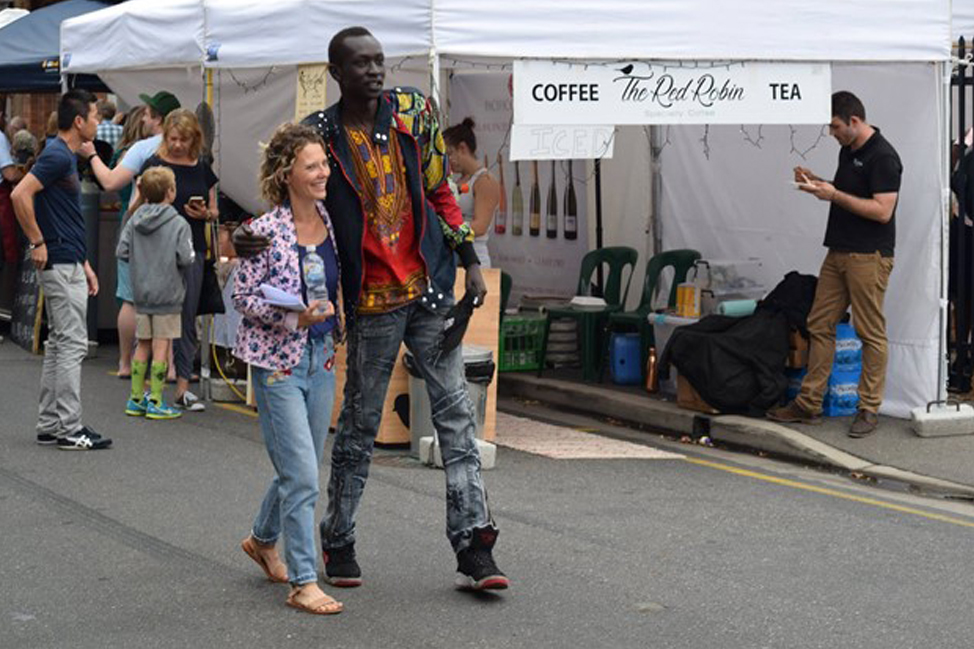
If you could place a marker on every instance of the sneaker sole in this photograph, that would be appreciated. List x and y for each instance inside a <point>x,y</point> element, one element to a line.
<point>164,417</point>
<point>493,582</point>
<point>46,442</point>
<point>343,582</point>
<point>135,413</point>
<point>84,448</point>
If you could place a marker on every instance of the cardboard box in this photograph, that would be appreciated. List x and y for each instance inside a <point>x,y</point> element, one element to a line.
<point>687,397</point>
<point>798,350</point>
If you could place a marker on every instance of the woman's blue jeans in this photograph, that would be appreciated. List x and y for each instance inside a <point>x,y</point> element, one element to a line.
<point>295,411</point>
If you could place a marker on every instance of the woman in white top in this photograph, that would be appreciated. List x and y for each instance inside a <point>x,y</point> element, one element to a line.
<point>479,193</point>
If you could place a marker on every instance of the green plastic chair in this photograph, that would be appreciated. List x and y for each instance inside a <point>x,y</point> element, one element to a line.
<point>590,320</point>
<point>638,320</point>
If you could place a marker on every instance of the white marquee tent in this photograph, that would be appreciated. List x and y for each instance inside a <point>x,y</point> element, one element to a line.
<point>724,189</point>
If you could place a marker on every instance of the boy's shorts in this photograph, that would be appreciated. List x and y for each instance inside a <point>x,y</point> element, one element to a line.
<point>167,325</point>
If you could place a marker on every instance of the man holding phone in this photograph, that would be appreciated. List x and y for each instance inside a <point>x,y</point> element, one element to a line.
<point>860,236</point>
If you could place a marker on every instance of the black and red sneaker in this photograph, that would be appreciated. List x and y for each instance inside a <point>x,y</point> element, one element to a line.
<point>341,568</point>
<point>476,568</point>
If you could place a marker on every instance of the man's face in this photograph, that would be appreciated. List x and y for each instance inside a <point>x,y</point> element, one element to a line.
<point>845,134</point>
<point>152,120</point>
<point>88,127</point>
<point>362,72</point>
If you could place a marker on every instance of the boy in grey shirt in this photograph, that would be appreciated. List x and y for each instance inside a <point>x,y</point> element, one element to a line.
<point>157,242</point>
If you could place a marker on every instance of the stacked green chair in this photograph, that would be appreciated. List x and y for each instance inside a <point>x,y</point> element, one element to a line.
<point>638,320</point>
<point>591,320</point>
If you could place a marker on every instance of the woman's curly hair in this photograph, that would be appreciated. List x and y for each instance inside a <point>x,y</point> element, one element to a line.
<point>279,156</point>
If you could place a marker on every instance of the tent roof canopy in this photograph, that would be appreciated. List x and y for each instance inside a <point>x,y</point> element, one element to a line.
<point>253,33</point>
<point>29,46</point>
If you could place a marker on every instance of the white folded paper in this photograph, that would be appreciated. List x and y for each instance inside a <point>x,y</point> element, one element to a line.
<point>276,297</point>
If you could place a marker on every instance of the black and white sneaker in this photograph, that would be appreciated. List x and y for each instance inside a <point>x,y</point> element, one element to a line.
<point>189,402</point>
<point>476,569</point>
<point>84,439</point>
<point>341,568</point>
<point>46,439</point>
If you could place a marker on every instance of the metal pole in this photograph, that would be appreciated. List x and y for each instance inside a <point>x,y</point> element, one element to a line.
<point>598,219</point>
<point>961,372</point>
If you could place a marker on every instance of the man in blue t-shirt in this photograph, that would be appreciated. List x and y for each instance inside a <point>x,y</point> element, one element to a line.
<point>48,207</point>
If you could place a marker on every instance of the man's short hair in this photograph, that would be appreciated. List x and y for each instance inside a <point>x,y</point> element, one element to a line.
<point>335,50</point>
<point>156,183</point>
<point>846,105</point>
<point>106,109</point>
<point>73,103</point>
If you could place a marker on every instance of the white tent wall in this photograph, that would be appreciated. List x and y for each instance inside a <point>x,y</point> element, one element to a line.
<point>868,30</point>
<point>738,203</point>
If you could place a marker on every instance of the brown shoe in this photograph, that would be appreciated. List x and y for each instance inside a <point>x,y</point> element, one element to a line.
<point>793,414</point>
<point>864,424</point>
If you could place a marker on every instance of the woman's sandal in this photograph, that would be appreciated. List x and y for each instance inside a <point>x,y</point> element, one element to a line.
<point>250,546</point>
<point>324,605</point>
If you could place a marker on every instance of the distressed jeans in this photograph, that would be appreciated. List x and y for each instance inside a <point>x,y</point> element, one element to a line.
<point>373,345</point>
<point>66,300</point>
<point>295,412</point>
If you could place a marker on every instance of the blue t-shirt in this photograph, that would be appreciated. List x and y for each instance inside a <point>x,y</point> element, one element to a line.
<point>6,160</point>
<point>58,205</point>
<point>327,253</point>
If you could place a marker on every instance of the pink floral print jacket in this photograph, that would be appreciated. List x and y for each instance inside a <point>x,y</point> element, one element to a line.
<point>269,336</point>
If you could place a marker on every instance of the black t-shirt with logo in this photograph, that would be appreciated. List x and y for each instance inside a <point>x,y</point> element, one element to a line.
<point>874,168</point>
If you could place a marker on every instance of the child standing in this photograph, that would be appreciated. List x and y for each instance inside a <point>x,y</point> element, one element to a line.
<point>157,242</point>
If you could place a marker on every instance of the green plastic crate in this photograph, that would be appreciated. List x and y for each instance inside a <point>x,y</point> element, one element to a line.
<point>520,345</point>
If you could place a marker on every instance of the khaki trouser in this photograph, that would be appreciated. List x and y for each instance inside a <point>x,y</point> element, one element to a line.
<point>848,278</point>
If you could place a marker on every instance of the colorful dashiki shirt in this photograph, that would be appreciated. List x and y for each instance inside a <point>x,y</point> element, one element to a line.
<point>394,270</point>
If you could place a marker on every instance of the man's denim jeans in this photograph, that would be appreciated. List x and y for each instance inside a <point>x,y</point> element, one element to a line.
<point>373,344</point>
<point>295,412</point>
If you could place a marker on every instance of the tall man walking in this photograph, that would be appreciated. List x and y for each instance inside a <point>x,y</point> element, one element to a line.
<point>861,235</point>
<point>398,230</point>
<point>48,207</point>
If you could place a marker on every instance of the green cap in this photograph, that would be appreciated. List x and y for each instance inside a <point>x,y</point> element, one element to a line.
<point>163,102</point>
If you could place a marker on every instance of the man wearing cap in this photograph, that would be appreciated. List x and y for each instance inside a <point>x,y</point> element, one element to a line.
<point>159,105</point>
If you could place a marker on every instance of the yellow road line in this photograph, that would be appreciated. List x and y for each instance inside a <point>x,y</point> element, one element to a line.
<point>830,492</point>
<point>243,410</point>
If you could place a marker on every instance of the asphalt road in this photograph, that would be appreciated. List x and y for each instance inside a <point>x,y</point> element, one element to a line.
<point>138,547</point>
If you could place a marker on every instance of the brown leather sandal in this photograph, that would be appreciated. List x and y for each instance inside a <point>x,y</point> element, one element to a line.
<point>250,545</point>
<point>324,605</point>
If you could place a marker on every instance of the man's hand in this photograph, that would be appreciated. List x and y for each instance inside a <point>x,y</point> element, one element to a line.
<point>310,316</point>
<point>475,284</point>
<point>820,189</point>
<point>87,149</point>
<point>247,244</point>
<point>39,256</point>
<point>805,175</point>
<point>92,280</point>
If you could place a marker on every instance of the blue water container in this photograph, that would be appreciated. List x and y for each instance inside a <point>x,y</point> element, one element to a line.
<point>624,358</point>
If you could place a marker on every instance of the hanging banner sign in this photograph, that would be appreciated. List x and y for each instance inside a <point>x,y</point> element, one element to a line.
<point>561,142</point>
<point>645,92</point>
<point>311,83</point>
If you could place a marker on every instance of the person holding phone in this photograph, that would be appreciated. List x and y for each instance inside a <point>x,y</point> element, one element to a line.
<point>182,142</point>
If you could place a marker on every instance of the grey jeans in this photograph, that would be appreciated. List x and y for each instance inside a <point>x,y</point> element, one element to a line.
<point>66,300</point>
<point>373,344</point>
<point>186,346</point>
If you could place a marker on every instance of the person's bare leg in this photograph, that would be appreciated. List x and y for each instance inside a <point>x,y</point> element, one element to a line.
<point>126,338</point>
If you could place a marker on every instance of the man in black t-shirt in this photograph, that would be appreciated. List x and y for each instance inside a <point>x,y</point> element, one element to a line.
<point>48,206</point>
<point>860,236</point>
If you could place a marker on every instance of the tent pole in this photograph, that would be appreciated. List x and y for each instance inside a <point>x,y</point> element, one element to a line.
<point>656,186</point>
<point>598,217</point>
<point>946,140</point>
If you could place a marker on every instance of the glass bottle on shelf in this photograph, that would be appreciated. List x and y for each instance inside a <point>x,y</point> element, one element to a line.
<point>500,223</point>
<point>570,206</point>
<point>517,204</point>
<point>534,227</point>
<point>551,223</point>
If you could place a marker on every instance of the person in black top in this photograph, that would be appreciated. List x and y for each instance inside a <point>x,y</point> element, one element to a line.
<point>860,236</point>
<point>182,144</point>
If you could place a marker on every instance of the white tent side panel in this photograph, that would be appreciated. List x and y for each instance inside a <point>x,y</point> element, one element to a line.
<point>869,30</point>
<point>963,20</point>
<point>739,203</point>
<point>249,33</point>
<point>135,34</point>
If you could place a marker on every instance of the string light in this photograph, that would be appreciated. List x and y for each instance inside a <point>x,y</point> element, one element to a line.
<point>823,133</point>
<point>706,141</point>
<point>252,87</point>
<point>747,136</point>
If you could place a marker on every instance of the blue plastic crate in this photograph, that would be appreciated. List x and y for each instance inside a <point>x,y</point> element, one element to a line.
<point>625,360</point>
